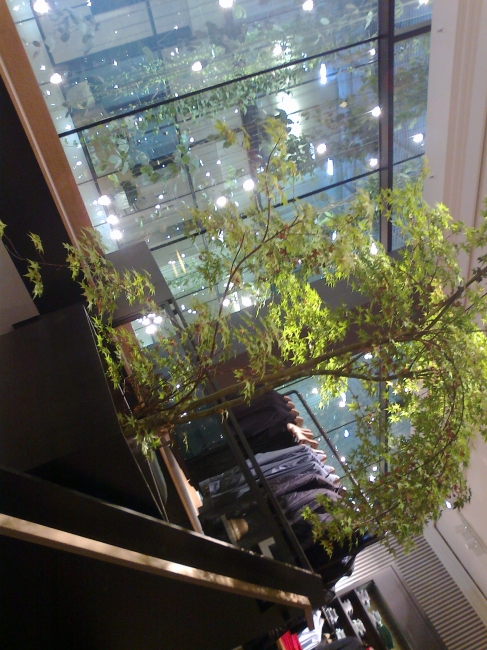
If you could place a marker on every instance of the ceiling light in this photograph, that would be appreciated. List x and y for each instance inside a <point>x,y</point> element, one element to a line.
<point>308,5</point>
<point>151,329</point>
<point>116,234</point>
<point>321,148</point>
<point>248,185</point>
<point>104,200</point>
<point>41,6</point>
<point>221,201</point>
<point>197,66</point>
<point>323,77</point>
<point>329,167</point>
<point>419,137</point>
<point>277,49</point>
<point>158,320</point>
<point>56,78</point>
<point>376,111</point>
<point>146,321</point>
<point>373,162</point>
<point>372,51</point>
<point>112,219</point>
<point>346,433</point>
<point>226,4</point>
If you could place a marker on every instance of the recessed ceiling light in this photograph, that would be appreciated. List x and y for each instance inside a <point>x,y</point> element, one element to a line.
<point>197,66</point>
<point>221,201</point>
<point>56,78</point>
<point>321,148</point>
<point>41,7</point>
<point>419,137</point>
<point>248,185</point>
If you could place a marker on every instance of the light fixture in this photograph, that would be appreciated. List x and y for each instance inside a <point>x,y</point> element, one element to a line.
<point>197,66</point>
<point>161,196</point>
<point>373,248</point>
<point>116,234</point>
<point>346,433</point>
<point>372,51</point>
<point>372,478</point>
<point>226,4</point>
<point>151,329</point>
<point>323,77</point>
<point>146,321</point>
<point>277,49</point>
<point>321,148</point>
<point>104,200</point>
<point>329,167</point>
<point>373,162</point>
<point>314,391</point>
<point>418,138</point>
<point>343,459</point>
<point>112,219</point>
<point>374,468</point>
<point>158,320</point>
<point>40,7</point>
<point>308,5</point>
<point>226,302</point>
<point>221,201</point>
<point>248,185</point>
<point>56,78</point>
<point>376,111</point>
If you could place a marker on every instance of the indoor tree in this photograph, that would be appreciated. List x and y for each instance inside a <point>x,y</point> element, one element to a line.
<point>415,342</point>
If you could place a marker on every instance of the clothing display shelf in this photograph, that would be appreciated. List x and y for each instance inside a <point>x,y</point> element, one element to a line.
<point>382,613</point>
<point>358,612</point>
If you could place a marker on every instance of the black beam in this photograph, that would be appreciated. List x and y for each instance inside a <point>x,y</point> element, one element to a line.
<point>386,103</point>
<point>51,505</point>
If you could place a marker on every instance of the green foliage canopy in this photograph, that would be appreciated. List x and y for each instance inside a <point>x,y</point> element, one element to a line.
<point>420,323</point>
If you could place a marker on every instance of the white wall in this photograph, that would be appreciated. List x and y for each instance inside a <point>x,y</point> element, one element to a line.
<point>456,150</point>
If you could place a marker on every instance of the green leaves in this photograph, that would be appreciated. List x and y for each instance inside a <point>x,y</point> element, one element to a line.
<point>34,275</point>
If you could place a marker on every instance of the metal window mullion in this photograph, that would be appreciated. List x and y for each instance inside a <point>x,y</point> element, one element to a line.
<point>386,103</point>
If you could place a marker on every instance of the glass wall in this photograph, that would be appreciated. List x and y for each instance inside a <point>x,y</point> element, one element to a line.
<point>135,88</point>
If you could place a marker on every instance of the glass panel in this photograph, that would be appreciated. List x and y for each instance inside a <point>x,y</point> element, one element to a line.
<point>404,173</point>
<point>411,12</point>
<point>111,56</point>
<point>410,94</point>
